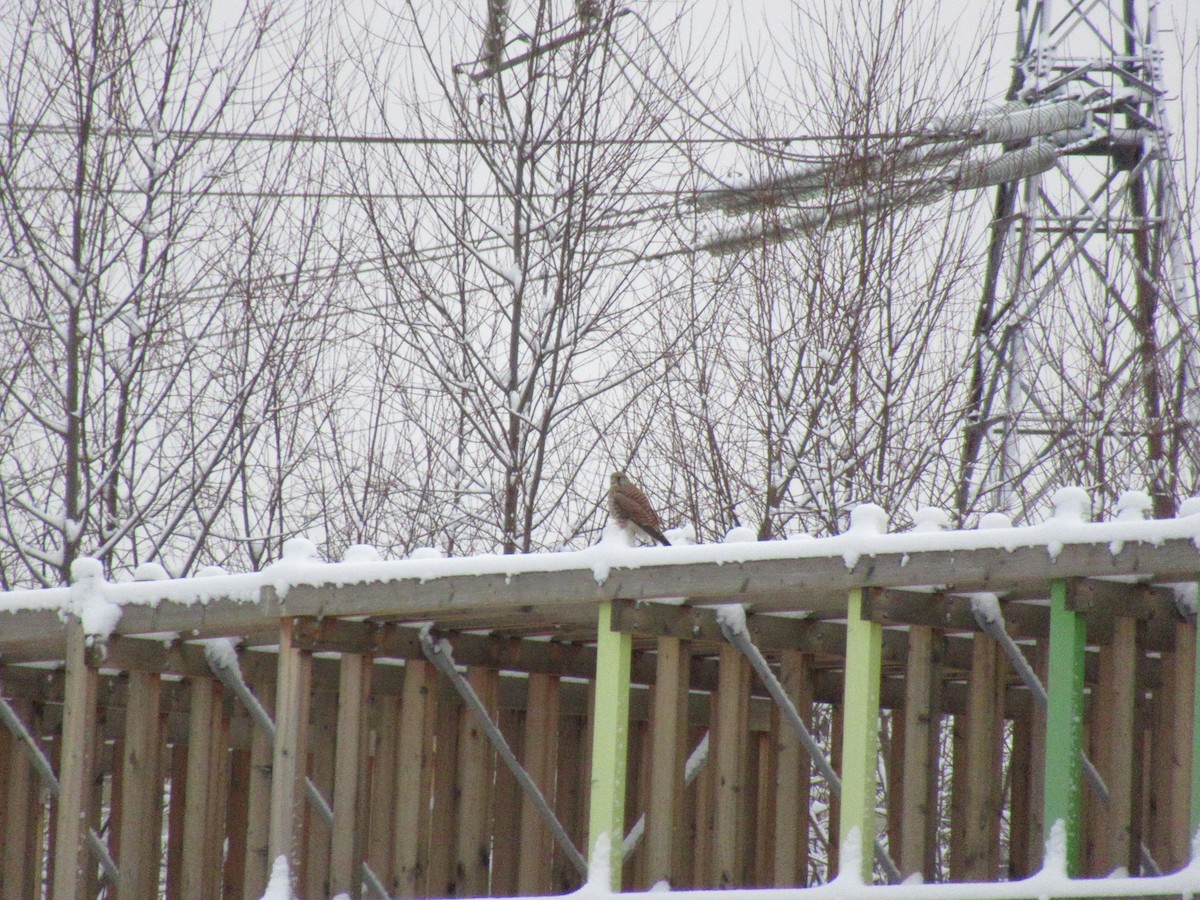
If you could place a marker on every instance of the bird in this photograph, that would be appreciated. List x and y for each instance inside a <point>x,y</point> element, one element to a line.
<point>627,504</point>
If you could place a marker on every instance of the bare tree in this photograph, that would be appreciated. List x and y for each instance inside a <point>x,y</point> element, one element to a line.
<point>119,152</point>
<point>496,281</point>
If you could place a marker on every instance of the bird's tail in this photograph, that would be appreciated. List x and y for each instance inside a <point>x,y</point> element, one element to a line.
<point>656,534</point>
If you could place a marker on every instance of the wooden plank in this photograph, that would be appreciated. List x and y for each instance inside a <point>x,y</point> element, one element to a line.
<point>606,818</point>
<point>959,777</point>
<point>445,791</point>
<point>637,797</point>
<point>175,818</point>
<point>75,768</point>
<point>792,776</point>
<point>984,737</point>
<point>196,862</point>
<point>1194,825</point>
<point>570,800</point>
<point>760,856</point>
<point>1064,732</point>
<point>218,794</point>
<point>1183,663</point>
<point>238,813</point>
<point>1021,862</point>
<point>141,789</point>
<point>729,756</point>
<point>1114,708</point>
<point>292,700</point>
<point>860,740</point>
<point>414,775</point>
<point>383,809</point>
<point>258,799</point>
<point>320,748</point>
<point>506,809</point>
<point>539,752</point>
<point>919,806</point>
<point>477,765</point>
<point>21,816</point>
<point>345,855</point>
<point>837,733</point>
<point>668,732</point>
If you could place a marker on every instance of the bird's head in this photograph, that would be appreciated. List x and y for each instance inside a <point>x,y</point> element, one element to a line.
<point>617,478</point>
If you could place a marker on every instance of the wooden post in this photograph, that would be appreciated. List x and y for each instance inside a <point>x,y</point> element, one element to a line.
<point>288,761</point>
<point>75,767</point>
<point>610,735</point>
<point>141,789</point>
<point>668,734</point>
<point>1064,721</point>
<point>792,779</point>
<point>922,679</point>
<point>540,751</point>
<point>413,779</point>
<point>445,791</point>
<point>860,735</point>
<point>729,749</point>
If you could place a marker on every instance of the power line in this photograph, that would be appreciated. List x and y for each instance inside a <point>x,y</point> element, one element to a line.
<point>302,137</point>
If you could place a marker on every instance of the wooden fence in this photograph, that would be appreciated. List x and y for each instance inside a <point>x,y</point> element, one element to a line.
<point>325,728</point>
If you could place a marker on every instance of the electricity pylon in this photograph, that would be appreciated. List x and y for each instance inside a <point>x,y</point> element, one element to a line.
<point>1084,356</point>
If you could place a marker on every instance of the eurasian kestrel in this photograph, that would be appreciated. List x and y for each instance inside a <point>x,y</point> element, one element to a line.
<point>628,505</point>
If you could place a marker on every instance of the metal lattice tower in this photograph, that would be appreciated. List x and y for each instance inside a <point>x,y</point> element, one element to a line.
<point>1085,342</point>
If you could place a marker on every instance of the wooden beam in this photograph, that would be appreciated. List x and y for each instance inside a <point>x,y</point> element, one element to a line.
<point>293,689</point>
<point>606,817</point>
<point>814,583</point>
<point>860,738</point>
<point>75,767</point>
<point>1064,729</point>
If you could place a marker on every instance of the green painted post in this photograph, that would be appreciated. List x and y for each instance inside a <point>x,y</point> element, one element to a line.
<point>1064,721</point>
<point>610,740</point>
<point>860,732</point>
